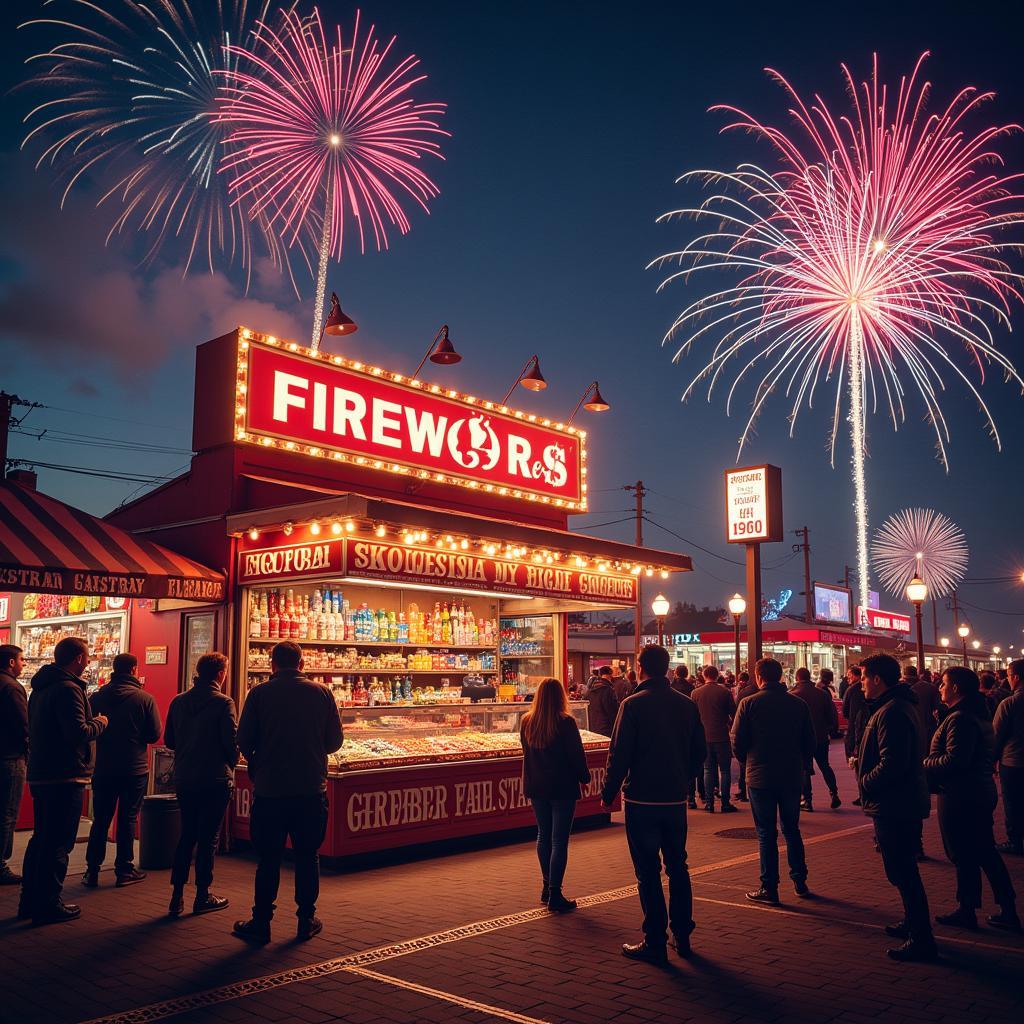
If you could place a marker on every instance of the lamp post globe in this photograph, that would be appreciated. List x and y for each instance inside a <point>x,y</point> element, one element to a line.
<point>660,606</point>
<point>917,594</point>
<point>737,606</point>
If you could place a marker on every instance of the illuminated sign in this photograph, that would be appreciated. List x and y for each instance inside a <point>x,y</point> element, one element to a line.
<point>887,622</point>
<point>832,604</point>
<point>671,640</point>
<point>753,504</point>
<point>325,406</point>
<point>5,607</point>
<point>291,560</point>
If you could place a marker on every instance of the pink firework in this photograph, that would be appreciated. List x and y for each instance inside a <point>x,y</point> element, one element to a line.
<point>325,133</point>
<point>872,257</point>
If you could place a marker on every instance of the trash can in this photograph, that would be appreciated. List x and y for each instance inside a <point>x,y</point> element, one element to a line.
<point>159,831</point>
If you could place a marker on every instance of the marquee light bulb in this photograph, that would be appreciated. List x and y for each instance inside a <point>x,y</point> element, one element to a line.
<point>349,526</point>
<point>314,528</point>
<point>381,530</point>
<point>254,534</point>
<point>335,528</point>
<point>288,527</point>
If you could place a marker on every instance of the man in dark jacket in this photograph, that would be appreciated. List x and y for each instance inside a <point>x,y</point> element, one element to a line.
<point>681,681</point>
<point>603,704</point>
<point>288,727</point>
<point>201,726</point>
<point>1009,752</point>
<point>716,707</point>
<point>894,794</point>
<point>746,687</point>
<point>928,702</point>
<point>61,730</point>
<point>13,753</point>
<point>773,734</point>
<point>959,768</point>
<point>657,746</point>
<point>121,777</point>
<point>855,711</point>
<point>825,721</point>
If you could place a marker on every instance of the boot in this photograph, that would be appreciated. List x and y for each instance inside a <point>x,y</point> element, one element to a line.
<point>254,931</point>
<point>764,895</point>
<point>545,892</point>
<point>836,802</point>
<point>558,904</point>
<point>912,952</point>
<point>962,917</point>
<point>130,877</point>
<point>1006,919</point>
<point>91,878</point>
<point>57,914</point>
<point>308,927</point>
<point>176,907</point>
<point>728,808</point>
<point>1011,846</point>
<point>207,903</point>
<point>681,944</point>
<point>641,951</point>
<point>805,805</point>
<point>898,930</point>
<point>9,877</point>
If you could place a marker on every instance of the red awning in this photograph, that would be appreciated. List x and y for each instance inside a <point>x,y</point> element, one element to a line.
<point>51,548</point>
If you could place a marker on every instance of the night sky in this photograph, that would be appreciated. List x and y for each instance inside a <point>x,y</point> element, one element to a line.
<point>570,125</point>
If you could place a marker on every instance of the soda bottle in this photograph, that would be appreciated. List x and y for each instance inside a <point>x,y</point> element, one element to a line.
<point>273,619</point>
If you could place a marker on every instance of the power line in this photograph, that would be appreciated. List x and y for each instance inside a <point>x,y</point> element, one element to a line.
<point>113,419</point>
<point>613,522</point>
<point>691,543</point>
<point>102,473</point>
<point>991,611</point>
<point>106,443</point>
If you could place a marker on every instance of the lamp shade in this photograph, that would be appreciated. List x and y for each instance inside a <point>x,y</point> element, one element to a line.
<point>597,402</point>
<point>917,590</point>
<point>533,379</point>
<point>337,322</point>
<point>444,351</point>
<point>660,606</point>
<point>737,606</point>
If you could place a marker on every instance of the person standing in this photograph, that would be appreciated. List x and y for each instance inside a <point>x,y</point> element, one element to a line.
<point>825,721</point>
<point>1008,726</point>
<point>959,768</point>
<point>603,705</point>
<point>928,701</point>
<point>716,707</point>
<point>289,725</point>
<point>554,768</point>
<point>681,681</point>
<point>61,731</point>
<point>772,732</point>
<point>13,753</point>
<point>657,746</point>
<point>620,683</point>
<point>894,794</point>
<point>746,688</point>
<point>201,727</point>
<point>121,778</point>
<point>827,682</point>
<point>855,711</point>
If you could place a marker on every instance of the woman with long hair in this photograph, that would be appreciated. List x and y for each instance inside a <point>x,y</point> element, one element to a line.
<point>554,768</point>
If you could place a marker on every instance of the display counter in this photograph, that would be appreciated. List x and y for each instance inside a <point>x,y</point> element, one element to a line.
<point>418,773</point>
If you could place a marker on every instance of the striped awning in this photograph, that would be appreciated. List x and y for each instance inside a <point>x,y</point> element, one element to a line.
<point>48,547</point>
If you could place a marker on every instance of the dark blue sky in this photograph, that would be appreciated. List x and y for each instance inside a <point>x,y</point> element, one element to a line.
<point>570,124</point>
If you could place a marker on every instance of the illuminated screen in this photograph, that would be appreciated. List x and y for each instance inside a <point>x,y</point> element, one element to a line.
<point>831,604</point>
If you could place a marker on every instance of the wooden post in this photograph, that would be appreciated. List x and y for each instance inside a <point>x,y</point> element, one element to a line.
<point>753,606</point>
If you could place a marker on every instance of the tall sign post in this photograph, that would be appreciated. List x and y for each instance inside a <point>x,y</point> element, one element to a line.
<point>753,516</point>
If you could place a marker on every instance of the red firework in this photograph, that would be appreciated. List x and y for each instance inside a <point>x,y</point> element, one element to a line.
<point>326,129</point>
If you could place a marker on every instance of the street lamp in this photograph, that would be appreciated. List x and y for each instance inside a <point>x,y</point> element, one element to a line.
<point>996,649</point>
<point>440,351</point>
<point>737,606</point>
<point>596,403</point>
<point>964,631</point>
<point>976,644</point>
<point>530,377</point>
<point>917,594</point>
<point>660,607</point>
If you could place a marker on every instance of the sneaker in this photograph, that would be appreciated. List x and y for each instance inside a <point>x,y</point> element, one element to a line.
<point>800,888</point>
<point>1008,847</point>
<point>558,904</point>
<point>91,878</point>
<point>9,877</point>
<point>649,954</point>
<point>308,927</point>
<point>1005,919</point>
<point>898,930</point>
<point>208,903</point>
<point>962,917</point>
<point>130,878</point>
<point>805,805</point>
<point>914,953</point>
<point>729,808</point>
<point>836,802</point>
<point>176,907</point>
<point>252,931</point>
<point>57,914</point>
<point>681,944</point>
<point>764,895</point>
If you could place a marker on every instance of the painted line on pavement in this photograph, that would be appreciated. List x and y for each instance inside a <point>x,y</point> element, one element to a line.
<point>255,986</point>
<point>449,997</point>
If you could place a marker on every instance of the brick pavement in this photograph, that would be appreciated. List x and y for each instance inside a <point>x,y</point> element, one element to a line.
<point>819,960</point>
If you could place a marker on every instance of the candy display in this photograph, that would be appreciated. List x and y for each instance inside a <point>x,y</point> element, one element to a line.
<point>104,632</point>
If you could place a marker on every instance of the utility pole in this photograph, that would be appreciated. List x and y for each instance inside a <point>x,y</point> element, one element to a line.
<point>808,594</point>
<point>956,611</point>
<point>846,576</point>
<point>639,491</point>
<point>7,404</point>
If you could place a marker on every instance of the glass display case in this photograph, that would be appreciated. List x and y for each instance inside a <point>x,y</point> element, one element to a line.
<point>528,653</point>
<point>391,737</point>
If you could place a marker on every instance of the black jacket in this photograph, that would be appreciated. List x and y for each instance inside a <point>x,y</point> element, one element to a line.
<point>1009,730</point>
<point>716,707</point>
<point>855,711</point>
<point>60,728</point>
<point>962,755</point>
<point>683,686</point>
<point>928,702</point>
<point>772,732</point>
<point>13,718</point>
<point>890,769</point>
<point>657,746</point>
<point>822,710</point>
<point>603,707</point>
<point>748,689</point>
<point>557,771</point>
<point>134,723</point>
<point>201,727</point>
<point>288,727</point>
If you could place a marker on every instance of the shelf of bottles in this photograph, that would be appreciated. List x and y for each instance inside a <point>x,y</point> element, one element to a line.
<point>373,645</point>
<point>527,652</point>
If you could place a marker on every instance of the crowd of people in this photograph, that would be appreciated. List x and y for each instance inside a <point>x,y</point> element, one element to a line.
<point>672,738</point>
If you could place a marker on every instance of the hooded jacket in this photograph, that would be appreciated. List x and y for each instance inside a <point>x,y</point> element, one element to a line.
<point>890,769</point>
<point>716,707</point>
<point>1009,730</point>
<point>201,727</point>
<point>603,706</point>
<point>772,732</point>
<point>61,728</point>
<point>823,711</point>
<point>134,723</point>
<point>962,755</point>
<point>13,718</point>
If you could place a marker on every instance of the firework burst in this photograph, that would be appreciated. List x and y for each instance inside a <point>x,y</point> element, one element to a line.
<point>325,134</point>
<point>871,258</point>
<point>131,97</point>
<point>920,542</point>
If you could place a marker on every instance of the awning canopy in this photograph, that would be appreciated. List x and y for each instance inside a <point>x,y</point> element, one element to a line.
<point>49,547</point>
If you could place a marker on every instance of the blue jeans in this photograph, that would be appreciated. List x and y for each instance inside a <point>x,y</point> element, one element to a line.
<point>718,762</point>
<point>771,807</point>
<point>554,823</point>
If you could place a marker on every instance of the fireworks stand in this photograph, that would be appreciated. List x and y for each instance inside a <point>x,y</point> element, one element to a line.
<point>414,541</point>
